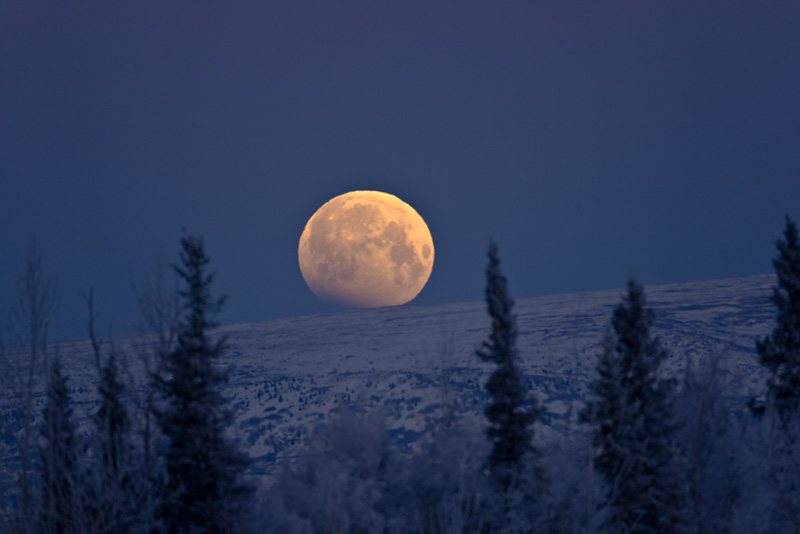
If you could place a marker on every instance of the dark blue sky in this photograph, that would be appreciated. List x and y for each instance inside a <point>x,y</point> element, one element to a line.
<point>592,140</point>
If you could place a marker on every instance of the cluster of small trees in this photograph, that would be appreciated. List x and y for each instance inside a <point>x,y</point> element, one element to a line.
<point>185,477</point>
<point>653,455</point>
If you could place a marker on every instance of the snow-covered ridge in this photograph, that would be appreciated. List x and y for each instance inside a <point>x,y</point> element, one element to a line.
<point>414,361</point>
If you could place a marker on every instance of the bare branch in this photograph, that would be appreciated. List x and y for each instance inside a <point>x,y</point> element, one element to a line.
<point>88,297</point>
<point>34,305</point>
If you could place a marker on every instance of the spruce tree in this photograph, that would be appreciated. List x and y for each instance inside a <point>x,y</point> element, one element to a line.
<point>511,411</point>
<point>204,487</point>
<point>61,491</point>
<point>780,354</point>
<point>633,428</point>
<point>780,351</point>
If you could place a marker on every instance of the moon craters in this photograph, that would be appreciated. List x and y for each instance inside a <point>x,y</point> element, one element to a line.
<point>366,248</point>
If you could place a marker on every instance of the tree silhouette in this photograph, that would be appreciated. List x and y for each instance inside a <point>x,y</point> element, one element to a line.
<point>512,410</point>
<point>780,351</point>
<point>633,424</point>
<point>204,471</point>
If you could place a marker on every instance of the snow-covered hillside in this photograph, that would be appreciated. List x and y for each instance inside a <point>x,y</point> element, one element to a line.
<point>416,362</point>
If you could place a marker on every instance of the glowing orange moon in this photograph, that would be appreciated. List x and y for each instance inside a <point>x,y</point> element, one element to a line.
<point>366,249</point>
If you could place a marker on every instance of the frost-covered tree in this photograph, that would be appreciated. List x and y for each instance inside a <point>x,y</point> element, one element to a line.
<point>28,323</point>
<point>350,481</point>
<point>571,499</point>
<point>61,491</point>
<point>444,483</point>
<point>120,499</point>
<point>633,426</point>
<point>511,411</point>
<point>712,446</point>
<point>117,496</point>
<point>780,351</point>
<point>159,303</point>
<point>205,487</point>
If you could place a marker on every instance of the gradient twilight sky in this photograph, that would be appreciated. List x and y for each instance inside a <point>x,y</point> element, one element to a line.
<point>591,140</point>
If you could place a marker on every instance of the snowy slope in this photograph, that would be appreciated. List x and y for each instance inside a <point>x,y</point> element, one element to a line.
<point>413,361</point>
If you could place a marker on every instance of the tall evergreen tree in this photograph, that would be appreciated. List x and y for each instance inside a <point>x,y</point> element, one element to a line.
<point>780,351</point>
<point>633,430</point>
<point>204,471</point>
<point>61,491</point>
<point>780,354</point>
<point>511,411</point>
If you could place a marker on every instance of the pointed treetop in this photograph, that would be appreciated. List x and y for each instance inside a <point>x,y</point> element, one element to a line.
<point>500,305</point>
<point>787,267</point>
<point>198,302</point>
<point>780,351</point>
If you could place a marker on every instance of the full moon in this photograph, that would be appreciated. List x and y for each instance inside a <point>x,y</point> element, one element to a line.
<point>366,249</point>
